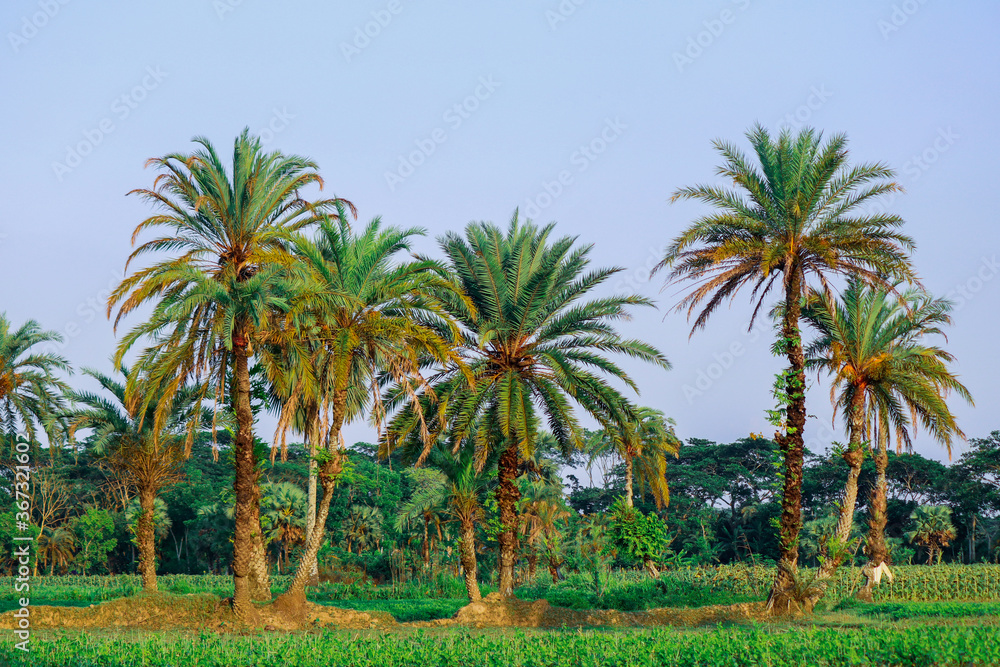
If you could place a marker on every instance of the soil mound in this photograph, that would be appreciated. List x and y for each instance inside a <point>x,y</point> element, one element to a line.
<point>495,612</point>
<point>162,611</point>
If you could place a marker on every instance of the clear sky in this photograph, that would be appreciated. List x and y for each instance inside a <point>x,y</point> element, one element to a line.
<point>435,114</point>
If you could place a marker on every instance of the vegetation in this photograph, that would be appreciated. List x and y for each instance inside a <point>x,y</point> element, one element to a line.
<point>475,370</point>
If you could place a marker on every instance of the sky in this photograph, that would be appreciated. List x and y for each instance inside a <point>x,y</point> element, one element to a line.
<point>437,114</point>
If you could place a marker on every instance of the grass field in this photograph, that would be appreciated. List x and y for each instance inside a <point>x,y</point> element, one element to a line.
<point>905,626</point>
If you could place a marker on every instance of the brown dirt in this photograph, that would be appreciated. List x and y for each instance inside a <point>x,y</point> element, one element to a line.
<point>163,611</point>
<point>495,612</point>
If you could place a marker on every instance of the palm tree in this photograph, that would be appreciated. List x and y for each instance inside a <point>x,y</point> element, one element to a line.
<point>363,528</point>
<point>869,342</point>
<point>224,278</point>
<point>283,505</point>
<point>644,445</point>
<point>467,481</point>
<point>795,216</point>
<point>541,509</point>
<point>532,342</point>
<point>56,546</point>
<point>31,396</point>
<point>932,529</point>
<point>148,452</point>
<point>425,507</point>
<point>368,321</point>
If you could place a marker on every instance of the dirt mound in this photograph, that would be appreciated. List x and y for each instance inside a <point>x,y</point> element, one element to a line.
<point>495,612</point>
<point>161,611</point>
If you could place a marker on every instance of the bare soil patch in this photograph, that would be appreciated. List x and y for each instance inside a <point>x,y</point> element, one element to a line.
<point>165,611</point>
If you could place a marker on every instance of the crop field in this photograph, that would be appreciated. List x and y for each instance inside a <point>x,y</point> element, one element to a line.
<point>960,626</point>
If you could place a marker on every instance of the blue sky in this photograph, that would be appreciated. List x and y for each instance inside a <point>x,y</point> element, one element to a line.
<point>589,114</point>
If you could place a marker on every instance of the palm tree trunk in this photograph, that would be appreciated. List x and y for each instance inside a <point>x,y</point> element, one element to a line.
<point>312,435</point>
<point>245,485</point>
<point>468,557</point>
<point>145,535</point>
<point>260,577</point>
<point>507,497</point>
<point>877,506</point>
<point>427,542</point>
<point>854,456</point>
<point>628,480</point>
<point>554,568</point>
<point>328,473</point>
<point>328,480</point>
<point>791,443</point>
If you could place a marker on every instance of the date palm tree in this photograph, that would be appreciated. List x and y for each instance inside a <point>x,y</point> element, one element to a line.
<point>644,446</point>
<point>147,452</point>
<point>870,343</point>
<point>795,216</point>
<point>31,395</point>
<point>369,320</point>
<point>535,339</point>
<point>220,276</point>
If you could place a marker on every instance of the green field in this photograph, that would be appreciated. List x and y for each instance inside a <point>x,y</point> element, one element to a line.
<point>752,645</point>
<point>962,626</point>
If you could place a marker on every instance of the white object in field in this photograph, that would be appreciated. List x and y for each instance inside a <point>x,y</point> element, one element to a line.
<point>882,569</point>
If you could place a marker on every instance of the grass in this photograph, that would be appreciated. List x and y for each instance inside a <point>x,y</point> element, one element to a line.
<point>722,646</point>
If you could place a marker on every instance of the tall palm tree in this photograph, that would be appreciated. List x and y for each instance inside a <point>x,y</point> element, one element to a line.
<point>870,342</point>
<point>644,445</point>
<point>795,216</point>
<point>533,341</point>
<point>219,277</point>
<point>363,527</point>
<point>148,452</point>
<point>31,396</point>
<point>56,546</point>
<point>370,320</point>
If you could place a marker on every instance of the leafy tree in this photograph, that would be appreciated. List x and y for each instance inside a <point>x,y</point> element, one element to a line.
<point>283,508</point>
<point>219,279</point>
<point>535,339</point>
<point>794,216</point>
<point>640,537</point>
<point>94,530</point>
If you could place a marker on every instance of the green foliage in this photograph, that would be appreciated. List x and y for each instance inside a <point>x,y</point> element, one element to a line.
<point>94,531</point>
<point>639,537</point>
<point>720,646</point>
<point>901,610</point>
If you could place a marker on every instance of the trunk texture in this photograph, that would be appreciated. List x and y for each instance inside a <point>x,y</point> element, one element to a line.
<point>468,556</point>
<point>651,568</point>
<point>507,497</point>
<point>245,485</point>
<point>628,480</point>
<point>145,536</point>
<point>313,437</point>
<point>781,599</point>
<point>554,568</point>
<point>875,544</point>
